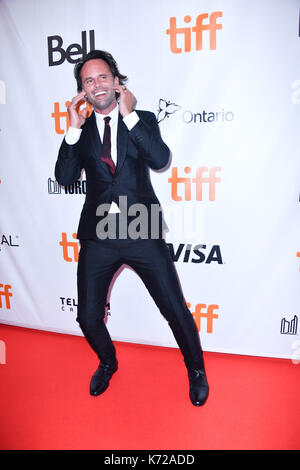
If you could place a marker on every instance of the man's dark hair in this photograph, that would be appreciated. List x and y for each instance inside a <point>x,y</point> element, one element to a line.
<point>103,55</point>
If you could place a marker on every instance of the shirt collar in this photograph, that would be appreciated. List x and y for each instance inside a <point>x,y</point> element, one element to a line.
<point>114,114</point>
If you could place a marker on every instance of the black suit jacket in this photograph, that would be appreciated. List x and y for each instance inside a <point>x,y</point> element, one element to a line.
<point>138,150</point>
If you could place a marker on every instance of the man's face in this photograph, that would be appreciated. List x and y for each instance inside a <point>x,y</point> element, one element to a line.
<point>98,83</point>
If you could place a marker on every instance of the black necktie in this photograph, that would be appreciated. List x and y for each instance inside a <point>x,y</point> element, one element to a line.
<point>106,147</point>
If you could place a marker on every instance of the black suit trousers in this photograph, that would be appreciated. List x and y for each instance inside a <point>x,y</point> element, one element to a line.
<point>98,262</point>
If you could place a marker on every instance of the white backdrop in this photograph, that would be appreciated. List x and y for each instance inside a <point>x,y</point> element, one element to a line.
<point>227,101</point>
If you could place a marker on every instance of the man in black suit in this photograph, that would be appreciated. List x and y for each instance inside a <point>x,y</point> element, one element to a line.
<point>116,146</point>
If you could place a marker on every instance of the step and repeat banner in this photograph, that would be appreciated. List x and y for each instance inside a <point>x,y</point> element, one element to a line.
<point>223,79</point>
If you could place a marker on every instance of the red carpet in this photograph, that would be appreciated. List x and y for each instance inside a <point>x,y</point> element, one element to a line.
<point>45,402</point>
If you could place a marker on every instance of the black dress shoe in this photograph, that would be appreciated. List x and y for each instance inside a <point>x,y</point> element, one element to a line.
<point>198,386</point>
<point>100,379</point>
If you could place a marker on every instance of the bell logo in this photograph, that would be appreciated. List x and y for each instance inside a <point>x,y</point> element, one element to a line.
<point>73,53</point>
<point>203,311</point>
<point>198,29</point>
<point>4,292</point>
<point>70,249</point>
<point>58,115</point>
<point>199,180</point>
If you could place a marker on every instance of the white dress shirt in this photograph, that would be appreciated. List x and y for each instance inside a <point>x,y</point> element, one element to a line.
<point>73,135</point>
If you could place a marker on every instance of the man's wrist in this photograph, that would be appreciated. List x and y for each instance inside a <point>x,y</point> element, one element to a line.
<point>73,135</point>
<point>131,120</point>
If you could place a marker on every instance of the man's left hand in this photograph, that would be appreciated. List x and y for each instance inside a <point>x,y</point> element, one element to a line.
<point>127,100</point>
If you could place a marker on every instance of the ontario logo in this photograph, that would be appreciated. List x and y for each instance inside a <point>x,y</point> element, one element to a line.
<point>166,108</point>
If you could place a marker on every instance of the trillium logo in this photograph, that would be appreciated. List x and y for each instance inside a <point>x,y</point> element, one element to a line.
<point>165,108</point>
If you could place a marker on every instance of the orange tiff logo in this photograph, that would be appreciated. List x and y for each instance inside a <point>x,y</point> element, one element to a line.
<point>70,249</point>
<point>61,118</point>
<point>211,26</point>
<point>207,312</point>
<point>4,292</point>
<point>199,180</point>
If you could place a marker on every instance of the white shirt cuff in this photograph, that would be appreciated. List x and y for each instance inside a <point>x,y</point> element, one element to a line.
<point>73,135</point>
<point>131,120</point>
